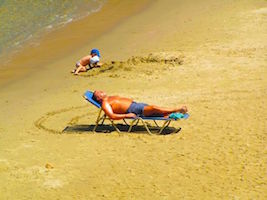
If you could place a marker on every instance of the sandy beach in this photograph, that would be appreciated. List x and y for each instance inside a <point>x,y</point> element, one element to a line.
<point>220,73</point>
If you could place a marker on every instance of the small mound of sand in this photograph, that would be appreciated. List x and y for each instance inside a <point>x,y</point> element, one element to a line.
<point>161,57</point>
<point>170,58</point>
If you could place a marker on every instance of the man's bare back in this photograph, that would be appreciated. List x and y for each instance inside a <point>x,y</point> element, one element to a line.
<point>120,107</point>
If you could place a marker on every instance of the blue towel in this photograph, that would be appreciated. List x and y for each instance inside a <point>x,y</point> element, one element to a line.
<point>176,116</point>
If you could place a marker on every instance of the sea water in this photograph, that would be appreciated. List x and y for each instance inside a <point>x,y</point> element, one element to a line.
<point>23,20</point>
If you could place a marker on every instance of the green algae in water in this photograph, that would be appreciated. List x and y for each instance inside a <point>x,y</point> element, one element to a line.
<point>21,20</point>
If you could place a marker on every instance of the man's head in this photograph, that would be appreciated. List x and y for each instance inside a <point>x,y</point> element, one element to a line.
<point>95,52</point>
<point>99,95</point>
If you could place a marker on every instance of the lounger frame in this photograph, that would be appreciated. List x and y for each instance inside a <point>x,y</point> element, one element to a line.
<point>101,118</point>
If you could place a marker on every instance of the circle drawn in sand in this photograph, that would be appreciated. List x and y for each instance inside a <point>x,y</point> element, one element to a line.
<point>49,122</point>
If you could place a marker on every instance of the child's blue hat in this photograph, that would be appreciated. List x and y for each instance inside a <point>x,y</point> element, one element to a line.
<point>95,51</point>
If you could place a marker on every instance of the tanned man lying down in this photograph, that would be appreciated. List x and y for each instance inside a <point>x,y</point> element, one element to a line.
<point>117,107</point>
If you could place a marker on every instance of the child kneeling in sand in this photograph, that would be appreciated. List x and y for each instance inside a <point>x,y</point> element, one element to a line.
<point>91,60</point>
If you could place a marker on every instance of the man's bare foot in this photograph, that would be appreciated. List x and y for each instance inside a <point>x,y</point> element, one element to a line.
<point>73,71</point>
<point>183,109</point>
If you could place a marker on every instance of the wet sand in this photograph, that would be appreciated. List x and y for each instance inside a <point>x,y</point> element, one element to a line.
<point>68,41</point>
<point>215,56</point>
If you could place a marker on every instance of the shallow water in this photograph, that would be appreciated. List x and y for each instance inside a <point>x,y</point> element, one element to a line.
<point>23,20</point>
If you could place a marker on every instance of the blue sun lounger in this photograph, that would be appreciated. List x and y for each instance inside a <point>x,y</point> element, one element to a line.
<point>88,95</point>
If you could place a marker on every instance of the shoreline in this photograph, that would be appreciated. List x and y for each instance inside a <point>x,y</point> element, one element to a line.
<point>56,18</point>
<point>67,40</point>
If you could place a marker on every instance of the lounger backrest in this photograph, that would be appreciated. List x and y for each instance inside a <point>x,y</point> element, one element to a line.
<point>88,95</point>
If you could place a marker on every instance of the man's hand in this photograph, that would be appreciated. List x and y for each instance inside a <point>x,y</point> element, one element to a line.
<point>130,115</point>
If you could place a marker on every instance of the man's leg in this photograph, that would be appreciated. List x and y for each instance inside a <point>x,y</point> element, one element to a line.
<point>158,111</point>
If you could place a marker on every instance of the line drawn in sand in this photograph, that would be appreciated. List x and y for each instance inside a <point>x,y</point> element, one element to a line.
<point>40,123</point>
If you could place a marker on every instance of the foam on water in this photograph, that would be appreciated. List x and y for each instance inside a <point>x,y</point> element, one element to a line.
<point>21,21</point>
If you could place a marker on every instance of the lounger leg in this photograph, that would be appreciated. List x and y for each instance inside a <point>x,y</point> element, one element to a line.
<point>97,120</point>
<point>156,123</point>
<point>125,122</point>
<point>114,125</point>
<point>166,124</point>
<point>137,122</point>
<point>145,125</point>
<point>131,125</point>
<point>104,118</point>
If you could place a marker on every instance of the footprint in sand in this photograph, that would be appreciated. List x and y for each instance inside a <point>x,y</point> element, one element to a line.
<point>261,11</point>
<point>53,183</point>
<point>4,165</point>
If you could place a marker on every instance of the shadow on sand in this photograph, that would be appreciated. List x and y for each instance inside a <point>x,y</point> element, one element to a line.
<point>79,129</point>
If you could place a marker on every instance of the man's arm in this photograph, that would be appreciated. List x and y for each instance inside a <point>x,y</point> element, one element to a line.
<point>109,112</point>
